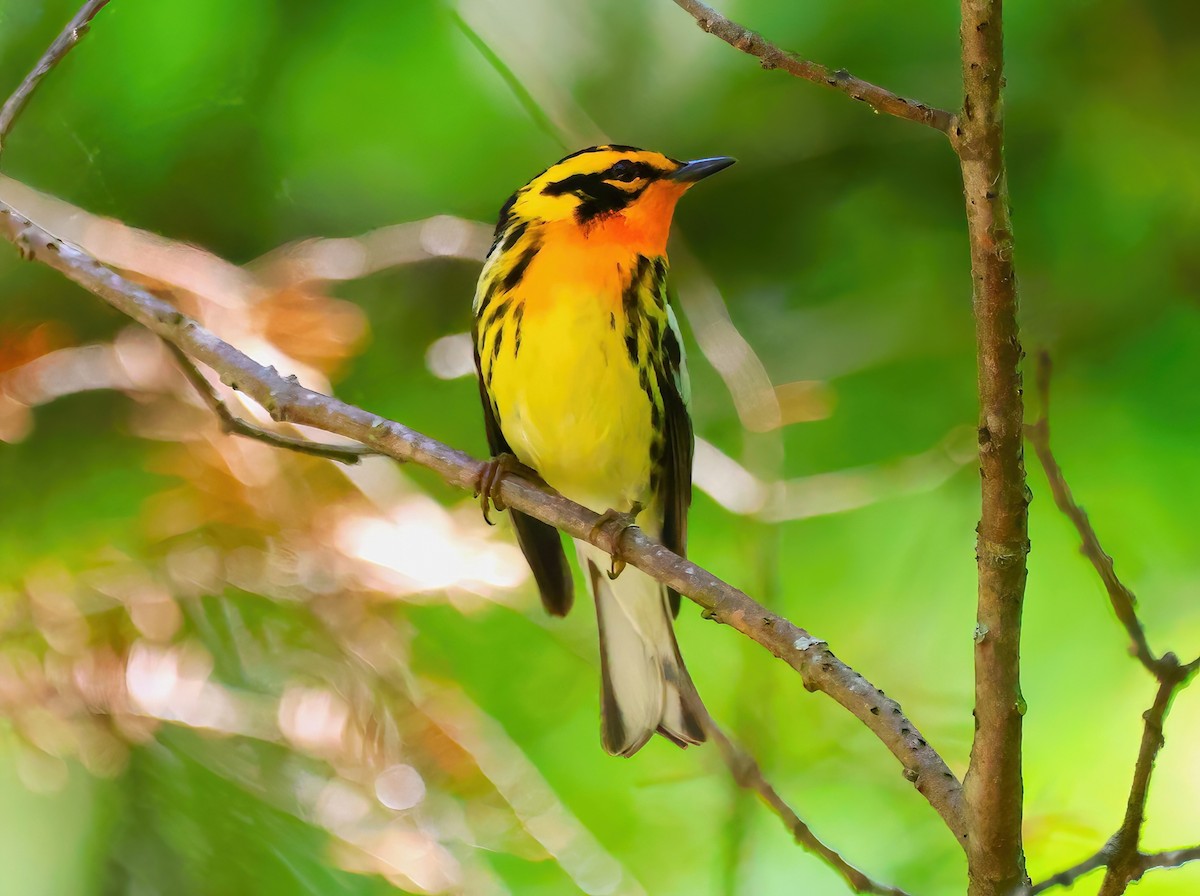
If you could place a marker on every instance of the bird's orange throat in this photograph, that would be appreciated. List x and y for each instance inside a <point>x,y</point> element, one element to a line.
<point>641,227</point>
<point>596,258</point>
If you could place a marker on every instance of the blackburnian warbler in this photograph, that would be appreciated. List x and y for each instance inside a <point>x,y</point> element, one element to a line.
<point>581,369</point>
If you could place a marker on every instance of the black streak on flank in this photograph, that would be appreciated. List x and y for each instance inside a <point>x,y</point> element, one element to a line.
<point>514,235</point>
<point>671,346</point>
<point>631,303</point>
<point>658,450</point>
<point>644,382</point>
<point>660,282</point>
<point>655,327</point>
<point>631,346</point>
<point>485,367</point>
<point>518,316</point>
<point>657,454</point>
<point>498,343</point>
<point>495,314</point>
<point>612,320</point>
<point>658,459</point>
<point>488,294</point>
<point>631,296</point>
<point>517,272</point>
<point>505,218</point>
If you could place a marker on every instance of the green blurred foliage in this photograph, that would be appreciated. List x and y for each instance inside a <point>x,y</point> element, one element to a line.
<point>838,244</point>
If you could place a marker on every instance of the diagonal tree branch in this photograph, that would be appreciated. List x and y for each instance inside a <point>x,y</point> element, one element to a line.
<point>1124,604</point>
<point>747,773</point>
<point>771,56</point>
<point>286,399</point>
<point>63,44</point>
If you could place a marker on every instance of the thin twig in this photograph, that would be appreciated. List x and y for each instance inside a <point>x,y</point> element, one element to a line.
<point>63,44</point>
<point>748,774</point>
<point>1068,877</point>
<point>1144,862</point>
<point>346,454</point>
<point>993,784</point>
<point>771,56</point>
<point>1121,855</point>
<point>1124,860</point>
<point>1124,604</point>
<point>286,399</point>
<point>1171,858</point>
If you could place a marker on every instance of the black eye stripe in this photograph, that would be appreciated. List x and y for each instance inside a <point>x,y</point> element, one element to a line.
<point>576,183</point>
<point>607,191</point>
<point>622,171</point>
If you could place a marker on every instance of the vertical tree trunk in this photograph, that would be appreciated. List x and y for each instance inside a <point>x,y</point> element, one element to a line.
<point>993,784</point>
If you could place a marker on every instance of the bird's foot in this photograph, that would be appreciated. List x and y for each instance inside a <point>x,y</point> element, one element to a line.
<point>613,523</point>
<point>491,475</point>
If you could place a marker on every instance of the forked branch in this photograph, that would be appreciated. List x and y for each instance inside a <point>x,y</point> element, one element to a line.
<point>1121,855</point>
<point>231,423</point>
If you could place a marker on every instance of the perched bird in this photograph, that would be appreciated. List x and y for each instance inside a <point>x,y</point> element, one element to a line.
<point>581,370</point>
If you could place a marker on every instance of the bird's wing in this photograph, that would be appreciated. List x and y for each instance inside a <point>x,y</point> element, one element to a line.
<point>675,388</point>
<point>539,542</point>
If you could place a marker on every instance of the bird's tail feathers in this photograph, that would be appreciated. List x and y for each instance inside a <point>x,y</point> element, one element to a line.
<point>645,687</point>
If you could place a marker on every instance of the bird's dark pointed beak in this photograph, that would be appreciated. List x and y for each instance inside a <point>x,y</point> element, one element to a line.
<point>698,169</point>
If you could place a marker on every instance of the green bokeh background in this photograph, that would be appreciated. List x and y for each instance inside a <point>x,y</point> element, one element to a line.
<point>838,243</point>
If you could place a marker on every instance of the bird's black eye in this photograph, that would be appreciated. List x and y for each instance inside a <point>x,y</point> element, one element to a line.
<point>624,170</point>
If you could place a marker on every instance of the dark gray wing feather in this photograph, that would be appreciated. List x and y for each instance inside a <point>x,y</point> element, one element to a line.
<point>679,447</point>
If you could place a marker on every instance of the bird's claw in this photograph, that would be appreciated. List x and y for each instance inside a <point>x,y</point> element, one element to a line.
<point>491,475</point>
<point>613,523</point>
<point>487,486</point>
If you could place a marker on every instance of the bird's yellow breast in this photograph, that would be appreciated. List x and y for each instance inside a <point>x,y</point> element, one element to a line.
<point>570,400</point>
